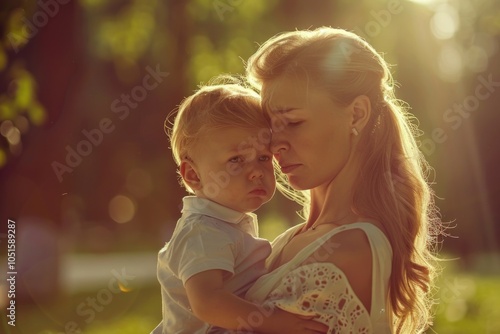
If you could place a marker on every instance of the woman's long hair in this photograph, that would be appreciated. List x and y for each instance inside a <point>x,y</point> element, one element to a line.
<point>392,185</point>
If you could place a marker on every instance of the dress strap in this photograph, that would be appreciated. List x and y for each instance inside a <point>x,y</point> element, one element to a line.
<point>268,281</point>
<point>324,240</point>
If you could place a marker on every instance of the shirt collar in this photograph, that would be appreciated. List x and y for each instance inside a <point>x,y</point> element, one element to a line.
<point>194,204</point>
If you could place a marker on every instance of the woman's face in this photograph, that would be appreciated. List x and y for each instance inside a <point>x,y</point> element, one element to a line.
<point>312,135</point>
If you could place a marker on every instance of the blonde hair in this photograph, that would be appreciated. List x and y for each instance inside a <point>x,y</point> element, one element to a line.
<point>392,184</point>
<point>224,102</point>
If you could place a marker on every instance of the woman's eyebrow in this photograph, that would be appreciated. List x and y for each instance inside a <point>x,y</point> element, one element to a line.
<point>282,110</point>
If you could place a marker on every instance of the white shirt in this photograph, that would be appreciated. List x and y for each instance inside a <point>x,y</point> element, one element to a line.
<point>208,236</point>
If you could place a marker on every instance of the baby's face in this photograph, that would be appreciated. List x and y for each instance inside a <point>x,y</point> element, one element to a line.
<point>235,167</point>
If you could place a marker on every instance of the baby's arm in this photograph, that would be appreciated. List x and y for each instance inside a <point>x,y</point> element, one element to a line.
<point>212,304</point>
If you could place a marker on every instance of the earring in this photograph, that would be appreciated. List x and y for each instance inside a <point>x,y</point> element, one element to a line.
<point>354,131</point>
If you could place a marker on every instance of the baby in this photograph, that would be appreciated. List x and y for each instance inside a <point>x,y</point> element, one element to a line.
<point>220,142</point>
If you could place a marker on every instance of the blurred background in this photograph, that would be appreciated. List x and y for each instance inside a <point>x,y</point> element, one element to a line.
<point>87,175</point>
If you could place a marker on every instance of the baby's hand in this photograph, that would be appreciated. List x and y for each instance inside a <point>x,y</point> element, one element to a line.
<point>297,324</point>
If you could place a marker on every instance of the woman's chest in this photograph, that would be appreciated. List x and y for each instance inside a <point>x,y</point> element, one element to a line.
<point>289,250</point>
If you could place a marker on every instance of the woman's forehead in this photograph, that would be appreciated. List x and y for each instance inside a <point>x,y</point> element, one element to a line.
<point>286,95</point>
<point>282,93</point>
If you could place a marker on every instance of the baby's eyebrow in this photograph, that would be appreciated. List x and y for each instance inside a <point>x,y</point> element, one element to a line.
<point>240,149</point>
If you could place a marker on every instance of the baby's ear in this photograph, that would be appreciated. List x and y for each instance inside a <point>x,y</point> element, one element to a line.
<point>189,174</point>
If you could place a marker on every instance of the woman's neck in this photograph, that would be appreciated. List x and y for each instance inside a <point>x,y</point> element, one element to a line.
<point>329,204</point>
<point>332,200</point>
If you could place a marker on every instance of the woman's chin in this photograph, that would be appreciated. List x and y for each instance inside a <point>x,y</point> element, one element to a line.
<point>298,183</point>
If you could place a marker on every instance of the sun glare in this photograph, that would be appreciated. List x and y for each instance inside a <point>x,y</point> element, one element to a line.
<point>427,2</point>
<point>445,22</point>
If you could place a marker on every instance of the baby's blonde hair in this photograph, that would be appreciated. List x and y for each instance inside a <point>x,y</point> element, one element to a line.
<point>224,102</point>
<point>392,182</point>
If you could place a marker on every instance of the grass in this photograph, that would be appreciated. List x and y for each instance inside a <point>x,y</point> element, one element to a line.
<point>468,303</point>
<point>133,312</point>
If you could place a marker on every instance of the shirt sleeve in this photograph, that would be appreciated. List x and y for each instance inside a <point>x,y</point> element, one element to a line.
<point>199,247</point>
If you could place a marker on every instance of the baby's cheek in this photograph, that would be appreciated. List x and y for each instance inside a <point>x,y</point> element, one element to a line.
<point>234,169</point>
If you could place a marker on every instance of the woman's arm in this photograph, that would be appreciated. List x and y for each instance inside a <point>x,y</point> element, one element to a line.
<point>212,304</point>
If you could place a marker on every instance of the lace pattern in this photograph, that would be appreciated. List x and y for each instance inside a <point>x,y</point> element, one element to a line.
<point>322,289</point>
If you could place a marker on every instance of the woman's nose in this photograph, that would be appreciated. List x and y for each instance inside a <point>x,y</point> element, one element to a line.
<point>278,144</point>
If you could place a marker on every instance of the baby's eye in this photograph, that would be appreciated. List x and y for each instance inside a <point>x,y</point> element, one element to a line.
<point>265,158</point>
<point>236,160</point>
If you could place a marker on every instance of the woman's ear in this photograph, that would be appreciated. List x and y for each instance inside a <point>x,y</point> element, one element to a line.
<point>361,111</point>
<point>189,174</point>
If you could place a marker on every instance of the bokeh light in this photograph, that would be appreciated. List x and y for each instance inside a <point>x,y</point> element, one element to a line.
<point>429,3</point>
<point>5,128</point>
<point>445,22</point>
<point>123,288</point>
<point>22,124</point>
<point>13,136</point>
<point>121,209</point>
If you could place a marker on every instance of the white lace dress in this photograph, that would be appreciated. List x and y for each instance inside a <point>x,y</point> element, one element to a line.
<point>309,287</point>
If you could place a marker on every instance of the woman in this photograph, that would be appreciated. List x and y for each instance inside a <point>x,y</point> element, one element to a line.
<point>345,145</point>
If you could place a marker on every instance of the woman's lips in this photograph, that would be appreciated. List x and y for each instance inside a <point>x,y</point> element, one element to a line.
<point>289,168</point>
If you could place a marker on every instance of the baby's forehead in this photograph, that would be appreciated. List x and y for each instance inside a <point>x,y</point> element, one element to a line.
<point>258,138</point>
<point>247,139</point>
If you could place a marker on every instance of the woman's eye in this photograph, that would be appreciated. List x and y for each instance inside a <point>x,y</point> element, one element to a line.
<point>294,123</point>
<point>236,159</point>
<point>265,158</point>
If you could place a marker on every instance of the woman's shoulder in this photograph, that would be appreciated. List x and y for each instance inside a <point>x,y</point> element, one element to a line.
<point>355,245</point>
<point>368,234</point>
<point>351,247</point>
